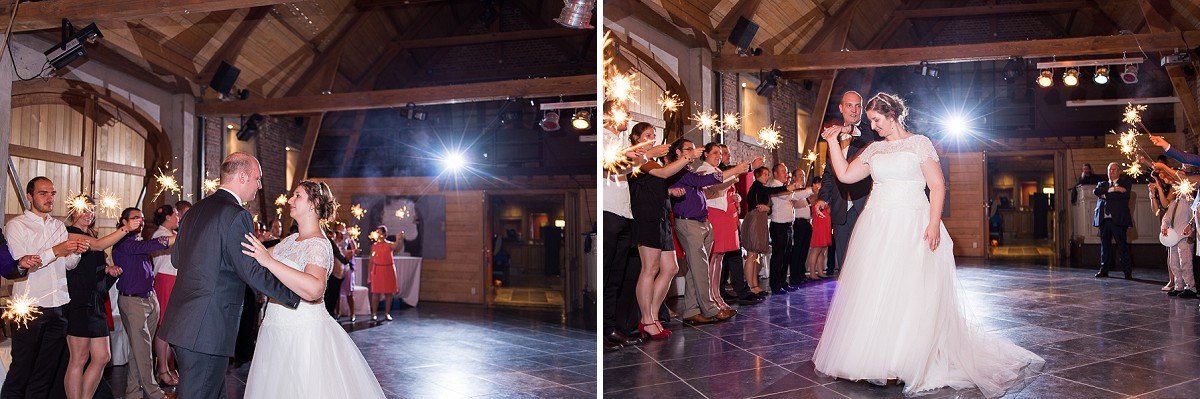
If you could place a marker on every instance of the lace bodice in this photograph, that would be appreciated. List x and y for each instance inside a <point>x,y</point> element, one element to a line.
<point>899,160</point>
<point>298,254</point>
<point>896,172</point>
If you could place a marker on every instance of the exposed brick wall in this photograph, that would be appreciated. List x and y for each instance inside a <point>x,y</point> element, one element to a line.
<point>270,145</point>
<point>992,29</point>
<point>783,102</point>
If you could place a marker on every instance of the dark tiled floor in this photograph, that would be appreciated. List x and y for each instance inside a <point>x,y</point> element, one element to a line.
<point>1101,338</point>
<point>459,351</point>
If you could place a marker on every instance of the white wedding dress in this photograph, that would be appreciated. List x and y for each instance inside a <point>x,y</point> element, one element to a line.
<point>303,352</point>
<point>897,312</point>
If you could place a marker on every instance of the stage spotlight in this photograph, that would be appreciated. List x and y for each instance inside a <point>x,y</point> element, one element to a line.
<point>1130,74</point>
<point>924,69</point>
<point>582,120</point>
<point>549,122</point>
<point>576,14</point>
<point>957,125</point>
<point>1071,77</point>
<point>1012,70</point>
<point>1046,78</point>
<point>454,161</point>
<point>1101,76</point>
<point>71,46</point>
<point>767,82</point>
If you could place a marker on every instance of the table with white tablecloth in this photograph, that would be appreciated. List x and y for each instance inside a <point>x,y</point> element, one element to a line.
<point>408,276</point>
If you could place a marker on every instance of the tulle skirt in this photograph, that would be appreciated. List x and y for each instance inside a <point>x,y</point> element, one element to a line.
<point>304,353</point>
<point>897,314</point>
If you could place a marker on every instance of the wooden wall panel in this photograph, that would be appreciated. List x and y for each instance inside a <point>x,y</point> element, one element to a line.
<point>67,180</point>
<point>50,127</point>
<point>966,223</point>
<point>118,143</point>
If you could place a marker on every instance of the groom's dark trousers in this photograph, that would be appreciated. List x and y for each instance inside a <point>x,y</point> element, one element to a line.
<point>206,302</point>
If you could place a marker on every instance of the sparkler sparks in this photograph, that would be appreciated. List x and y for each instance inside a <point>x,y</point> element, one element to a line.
<point>166,181</point>
<point>109,204</point>
<point>731,121</point>
<point>402,212</point>
<point>354,232</point>
<point>769,137</point>
<point>79,204</point>
<point>375,236</point>
<point>615,160</point>
<point>1132,114</point>
<point>616,117</point>
<point>357,211</point>
<point>811,157</point>
<point>706,121</point>
<point>211,185</point>
<point>19,309</point>
<point>1185,189</point>
<point>670,102</point>
<point>1134,169</point>
<point>620,88</point>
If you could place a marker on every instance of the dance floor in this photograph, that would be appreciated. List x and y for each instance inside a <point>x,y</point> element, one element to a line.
<point>442,350</point>
<point>1101,338</point>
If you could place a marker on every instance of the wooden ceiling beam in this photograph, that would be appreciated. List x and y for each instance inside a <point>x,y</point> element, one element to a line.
<point>232,47</point>
<point>369,4</point>
<point>893,25</point>
<point>616,10</point>
<point>743,9</point>
<point>530,34</point>
<point>49,14</point>
<point>836,27</point>
<point>546,87</point>
<point>1058,6</point>
<point>685,14</point>
<point>959,53</point>
<point>323,59</point>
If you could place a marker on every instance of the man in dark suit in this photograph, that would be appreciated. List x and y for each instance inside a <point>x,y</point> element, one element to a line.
<point>1113,218</point>
<point>206,303</point>
<point>845,201</point>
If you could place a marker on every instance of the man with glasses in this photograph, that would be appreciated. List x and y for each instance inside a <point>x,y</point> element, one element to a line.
<point>137,302</point>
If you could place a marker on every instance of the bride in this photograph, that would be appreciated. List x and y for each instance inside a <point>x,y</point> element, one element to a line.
<point>302,352</point>
<point>896,314</point>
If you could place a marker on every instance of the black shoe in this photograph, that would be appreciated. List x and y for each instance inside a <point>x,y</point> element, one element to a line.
<point>750,299</point>
<point>762,294</point>
<point>1129,276</point>
<point>1101,274</point>
<point>727,296</point>
<point>617,337</point>
<point>1188,294</point>
<point>1174,293</point>
<point>611,346</point>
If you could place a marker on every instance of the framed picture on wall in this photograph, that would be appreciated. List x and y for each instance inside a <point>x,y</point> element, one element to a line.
<point>754,109</point>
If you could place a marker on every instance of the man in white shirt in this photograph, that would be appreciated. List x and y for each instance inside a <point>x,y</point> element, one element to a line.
<point>782,216</point>
<point>801,228</point>
<point>39,346</point>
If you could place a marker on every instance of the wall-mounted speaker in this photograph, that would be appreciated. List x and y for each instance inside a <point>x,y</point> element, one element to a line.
<point>223,80</point>
<point>743,32</point>
<point>249,127</point>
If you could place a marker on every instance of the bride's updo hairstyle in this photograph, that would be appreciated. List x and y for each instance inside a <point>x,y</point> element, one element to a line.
<point>321,197</point>
<point>888,105</point>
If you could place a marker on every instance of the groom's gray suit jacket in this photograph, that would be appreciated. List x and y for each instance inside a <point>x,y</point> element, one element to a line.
<point>206,301</point>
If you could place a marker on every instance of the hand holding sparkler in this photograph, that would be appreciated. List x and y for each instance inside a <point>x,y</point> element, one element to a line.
<point>30,262</point>
<point>1159,141</point>
<point>112,270</point>
<point>70,247</point>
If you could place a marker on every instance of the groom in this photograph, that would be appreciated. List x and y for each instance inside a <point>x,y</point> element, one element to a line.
<point>845,201</point>
<point>206,303</point>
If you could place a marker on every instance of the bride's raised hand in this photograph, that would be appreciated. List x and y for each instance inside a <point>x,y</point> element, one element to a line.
<point>933,236</point>
<point>830,134</point>
<point>255,249</point>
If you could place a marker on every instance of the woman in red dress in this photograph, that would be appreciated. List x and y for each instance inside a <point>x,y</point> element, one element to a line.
<point>382,275</point>
<point>822,238</point>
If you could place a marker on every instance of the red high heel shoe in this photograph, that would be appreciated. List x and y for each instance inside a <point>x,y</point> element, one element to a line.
<point>662,333</point>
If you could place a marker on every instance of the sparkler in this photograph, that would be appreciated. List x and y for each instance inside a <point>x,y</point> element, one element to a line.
<point>669,102</point>
<point>211,185</point>
<point>20,310</point>
<point>1134,169</point>
<point>109,204</point>
<point>357,211</point>
<point>811,157</point>
<point>731,121</point>
<point>769,137</point>
<point>354,231</point>
<point>402,212</point>
<point>706,121</point>
<point>1132,114</point>
<point>78,204</point>
<point>620,88</point>
<point>375,236</point>
<point>615,160</point>
<point>166,181</point>
<point>617,116</point>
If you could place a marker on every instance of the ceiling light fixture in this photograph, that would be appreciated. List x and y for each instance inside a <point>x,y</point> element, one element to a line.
<point>1101,76</point>
<point>1071,77</point>
<point>1046,78</point>
<point>1130,74</point>
<point>549,122</point>
<point>576,14</point>
<point>582,120</point>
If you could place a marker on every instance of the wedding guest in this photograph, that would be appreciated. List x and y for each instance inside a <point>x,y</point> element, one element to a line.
<point>137,303</point>
<point>349,248</point>
<point>822,238</point>
<point>88,284</point>
<point>780,230</point>
<point>382,276</point>
<point>1177,219</point>
<point>1113,218</point>
<point>755,230</point>
<point>167,219</point>
<point>39,345</point>
<point>802,230</point>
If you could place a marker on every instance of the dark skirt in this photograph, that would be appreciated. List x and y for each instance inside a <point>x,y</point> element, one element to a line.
<point>653,234</point>
<point>87,321</point>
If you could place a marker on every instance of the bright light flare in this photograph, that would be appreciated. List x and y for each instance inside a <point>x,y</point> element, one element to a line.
<point>957,125</point>
<point>454,161</point>
<point>769,137</point>
<point>19,309</point>
<point>670,102</point>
